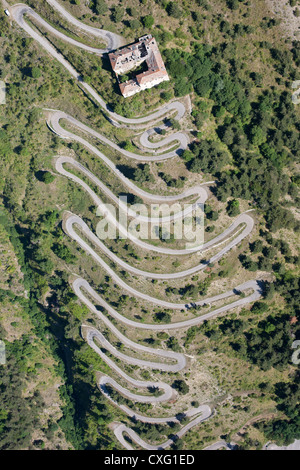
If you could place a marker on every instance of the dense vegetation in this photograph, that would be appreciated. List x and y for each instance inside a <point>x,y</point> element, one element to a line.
<point>246,136</point>
<point>258,130</point>
<point>267,344</point>
<point>15,409</point>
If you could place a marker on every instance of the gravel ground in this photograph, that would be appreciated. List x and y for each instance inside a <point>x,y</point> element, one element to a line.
<point>290,24</point>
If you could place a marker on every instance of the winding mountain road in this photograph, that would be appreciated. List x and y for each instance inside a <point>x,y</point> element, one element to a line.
<point>255,286</point>
<point>18,12</point>
<point>92,334</point>
<point>71,219</point>
<point>162,208</point>
<point>56,116</point>
<point>122,428</point>
<point>242,219</point>
<point>21,10</point>
<point>113,40</point>
<point>170,361</point>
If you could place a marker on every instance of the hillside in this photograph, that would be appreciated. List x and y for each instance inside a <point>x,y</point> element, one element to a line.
<point>223,132</point>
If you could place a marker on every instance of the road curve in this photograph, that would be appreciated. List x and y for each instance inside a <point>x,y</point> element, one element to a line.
<point>71,219</point>
<point>91,334</point>
<point>22,10</point>
<point>199,190</point>
<point>113,40</point>
<point>110,217</point>
<point>117,279</point>
<point>177,361</point>
<point>80,284</point>
<point>122,428</point>
<point>220,445</point>
<point>174,362</point>
<point>56,116</point>
<point>59,162</point>
<point>19,10</point>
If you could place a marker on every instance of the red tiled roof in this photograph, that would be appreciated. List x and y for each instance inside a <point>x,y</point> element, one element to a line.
<point>146,45</point>
<point>127,87</point>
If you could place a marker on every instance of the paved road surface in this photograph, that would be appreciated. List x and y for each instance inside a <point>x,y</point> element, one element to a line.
<point>218,445</point>
<point>114,41</point>
<point>197,190</point>
<point>19,10</point>
<point>91,334</point>
<point>121,429</point>
<point>294,446</point>
<point>199,246</point>
<point>81,283</point>
<point>56,116</point>
<point>72,220</point>
<point>170,361</point>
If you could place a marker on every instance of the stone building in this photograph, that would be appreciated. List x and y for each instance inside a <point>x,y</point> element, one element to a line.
<point>146,51</point>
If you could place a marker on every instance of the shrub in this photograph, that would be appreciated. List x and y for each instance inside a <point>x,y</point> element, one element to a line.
<point>148,21</point>
<point>47,177</point>
<point>181,386</point>
<point>35,72</point>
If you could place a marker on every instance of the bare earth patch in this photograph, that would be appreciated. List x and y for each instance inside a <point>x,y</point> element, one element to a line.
<point>290,23</point>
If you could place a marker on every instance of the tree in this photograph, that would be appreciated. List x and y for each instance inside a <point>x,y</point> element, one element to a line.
<point>203,87</point>
<point>257,78</point>
<point>166,95</point>
<point>197,17</point>
<point>63,252</point>
<point>257,136</point>
<point>233,4</point>
<point>174,10</point>
<point>182,87</point>
<point>132,11</point>
<point>248,263</point>
<point>162,317</point>
<point>100,7</point>
<point>148,21</point>
<point>117,14</point>
<point>135,24</point>
<point>172,343</point>
<point>142,173</point>
<point>35,72</point>
<point>174,123</point>
<point>259,307</point>
<point>256,247</point>
<point>233,208</point>
<point>47,177</point>
<point>181,386</point>
<point>187,155</point>
<point>269,252</point>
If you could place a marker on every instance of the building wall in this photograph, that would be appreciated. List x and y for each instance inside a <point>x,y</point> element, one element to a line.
<point>154,82</point>
<point>128,66</point>
<point>145,86</point>
<point>133,56</point>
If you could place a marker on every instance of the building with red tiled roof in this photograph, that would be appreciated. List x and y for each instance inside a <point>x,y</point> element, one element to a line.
<point>129,57</point>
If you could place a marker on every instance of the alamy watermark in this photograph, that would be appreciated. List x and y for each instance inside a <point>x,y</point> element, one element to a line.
<point>296,354</point>
<point>296,94</point>
<point>2,353</point>
<point>2,92</point>
<point>153,222</point>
